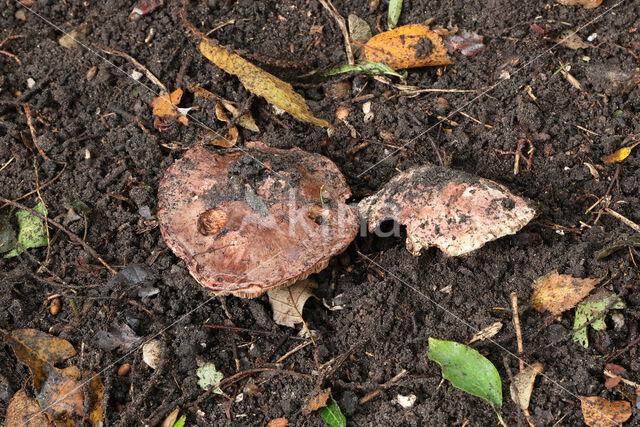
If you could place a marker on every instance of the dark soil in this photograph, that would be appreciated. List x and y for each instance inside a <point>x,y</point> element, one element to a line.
<point>102,129</point>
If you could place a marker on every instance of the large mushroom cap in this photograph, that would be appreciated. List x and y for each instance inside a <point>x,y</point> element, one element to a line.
<point>251,219</point>
<point>452,210</point>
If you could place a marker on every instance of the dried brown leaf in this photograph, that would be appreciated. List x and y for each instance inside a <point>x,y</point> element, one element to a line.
<point>522,385</point>
<point>171,418</point>
<point>261,83</point>
<point>278,422</point>
<point>317,401</point>
<point>486,333</point>
<point>287,302</point>
<point>62,396</point>
<point>558,293</point>
<point>587,4</point>
<point>571,40</point>
<point>25,411</point>
<point>246,120</point>
<point>166,107</point>
<point>408,46</point>
<point>39,351</point>
<point>600,412</point>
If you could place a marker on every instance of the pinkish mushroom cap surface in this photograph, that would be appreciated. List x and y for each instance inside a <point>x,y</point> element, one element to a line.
<point>248,220</point>
<point>452,210</point>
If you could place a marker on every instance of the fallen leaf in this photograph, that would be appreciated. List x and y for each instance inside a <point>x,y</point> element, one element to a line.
<point>209,378</point>
<point>619,155</point>
<point>287,302</point>
<point>70,40</point>
<point>62,396</point>
<point>522,385</point>
<point>593,309</point>
<point>317,401</point>
<point>120,336</point>
<point>633,241</point>
<point>246,120</point>
<point>362,67</point>
<point>96,396</point>
<point>466,42</point>
<point>468,370</point>
<point>408,46</point>
<point>8,240</point>
<point>39,351</point>
<point>232,136</point>
<point>587,4</point>
<point>165,107</point>
<point>25,411</point>
<point>332,414</point>
<point>558,293</point>
<point>32,232</point>
<point>359,31</point>
<point>600,412</point>
<point>571,40</point>
<point>612,382</point>
<point>170,420</point>
<point>261,83</point>
<point>395,9</point>
<point>454,211</point>
<point>486,333</point>
<point>278,422</point>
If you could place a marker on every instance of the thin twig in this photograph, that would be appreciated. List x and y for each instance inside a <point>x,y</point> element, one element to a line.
<point>136,64</point>
<point>61,227</point>
<point>43,186</point>
<point>375,393</point>
<point>343,28</point>
<point>622,218</point>
<point>516,324</point>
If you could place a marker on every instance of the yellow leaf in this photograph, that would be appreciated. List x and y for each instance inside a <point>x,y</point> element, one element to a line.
<point>408,46</point>
<point>557,293</point>
<point>619,155</point>
<point>165,106</point>
<point>261,83</point>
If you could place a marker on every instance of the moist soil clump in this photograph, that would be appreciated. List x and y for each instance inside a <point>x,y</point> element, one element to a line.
<point>100,148</point>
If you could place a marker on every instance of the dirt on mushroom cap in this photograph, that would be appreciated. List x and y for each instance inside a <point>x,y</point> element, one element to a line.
<point>452,210</point>
<point>284,216</point>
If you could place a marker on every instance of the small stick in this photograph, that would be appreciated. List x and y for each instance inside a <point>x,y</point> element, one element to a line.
<point>622,218</point>
<point>375,393</point>
<point>343,28</point>
<point>136,64</point>
<point>516,324</point>
<point>34,137</point>
<point>61,227</point>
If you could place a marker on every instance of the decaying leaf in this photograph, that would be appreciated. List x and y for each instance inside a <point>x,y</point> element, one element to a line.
<point>522,385</point>
<point>486,333</point>
<point>261,83</point>
<point>558,293</point>
<point>359,31</point>
<point>32,232</point>
<point>362,67</point>
<point>39,351</point>
<point>165,107</point>
<point>600,412</point>
<point>96,396</point>
<point>317,401</point>
<point>395,9</point>
<point>619,155</point>
<point>8,240</point>
<point>571,40</point>
<point>119,335</point>
<point>246,120</point>
<point>214,138</point>
<point>209,378</point>
<point>594,309</point>
<point>278,422</point>
<point>587,4</point>
<point>62,396</point>
<point>633,241</point>
<point>453,210</point>
<point>408,46</point>
<point>25,411</point>
<point>287,302</point>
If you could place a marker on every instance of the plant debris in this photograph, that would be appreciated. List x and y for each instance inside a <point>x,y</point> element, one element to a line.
<point>600,412</point>
<point>318,400</point>
<point>593,309</point>
<point>209,378</point>
<point>465,42</point>
<point>522,385</point>
<point>620,154</point>
<point>249,220</point>
<point>455,211</point>
<point>409,46</point>
<point>587,4</point>
<point>359,31</point>
<point>261,83</point>
<point>287,303</point>
<point>631,242</point>
<point>362,67</point>
<point>557,293</point>
<point>332,414</point>
<point>166,110</point>
<point>393,15</point>
<point>32,232</point>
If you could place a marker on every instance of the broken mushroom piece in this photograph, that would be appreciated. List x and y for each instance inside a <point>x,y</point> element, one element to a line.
<point>452,210</point>
<point>248,220</point>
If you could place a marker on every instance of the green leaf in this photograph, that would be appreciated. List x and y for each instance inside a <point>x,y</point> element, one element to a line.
<point>180,422</point>
<point>633,241</point>
<point>395,8</point>
<point>594,307</point>
<point>467,370</point>
<point>362,67</point>
<point>209,378</point>
<point>332,414</point>
<point>32,233</point>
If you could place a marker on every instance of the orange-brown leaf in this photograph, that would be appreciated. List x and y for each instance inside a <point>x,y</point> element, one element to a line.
<point>408,46</point>
<point>62,397</point>
<point>619,155</point>
<point>165,106</point>
<point>600,412</point>
<point>558,293</point>
<point>317,401</point>
<point>24,410</point>
<point>278,422</point>
<point>587,4</point>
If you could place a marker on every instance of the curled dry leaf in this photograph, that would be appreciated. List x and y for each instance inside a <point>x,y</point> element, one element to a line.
<point>571,40</point>
<point>287,302</point>
<point>488,332</point>
<point>278,422</point>
<point>359,31</point>
<point>408,46</point>
<point>246,120</point>
<point>620,154</point>
<point>261,83</point>
<point>120,335</point>
<point>214,138</point>
<point>587,4</point>
<point>316,401</point>
<point>558,293</point>
<point>600,412</point>
<point>455,211</point>
<point>522,385</point>
<point>165,108</point>
<point>170,420</point>
<point>249,220</point>
<point>25,411</point>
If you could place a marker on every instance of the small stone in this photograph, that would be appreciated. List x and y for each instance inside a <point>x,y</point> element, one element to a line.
<point>31,83</point>
<point>136,75</point>
<point>54,307</point>
<point>124,369</point>
<point>91,73</point>
<point>152,353</point>
<point>21,15</point>
<point>406,401</point>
